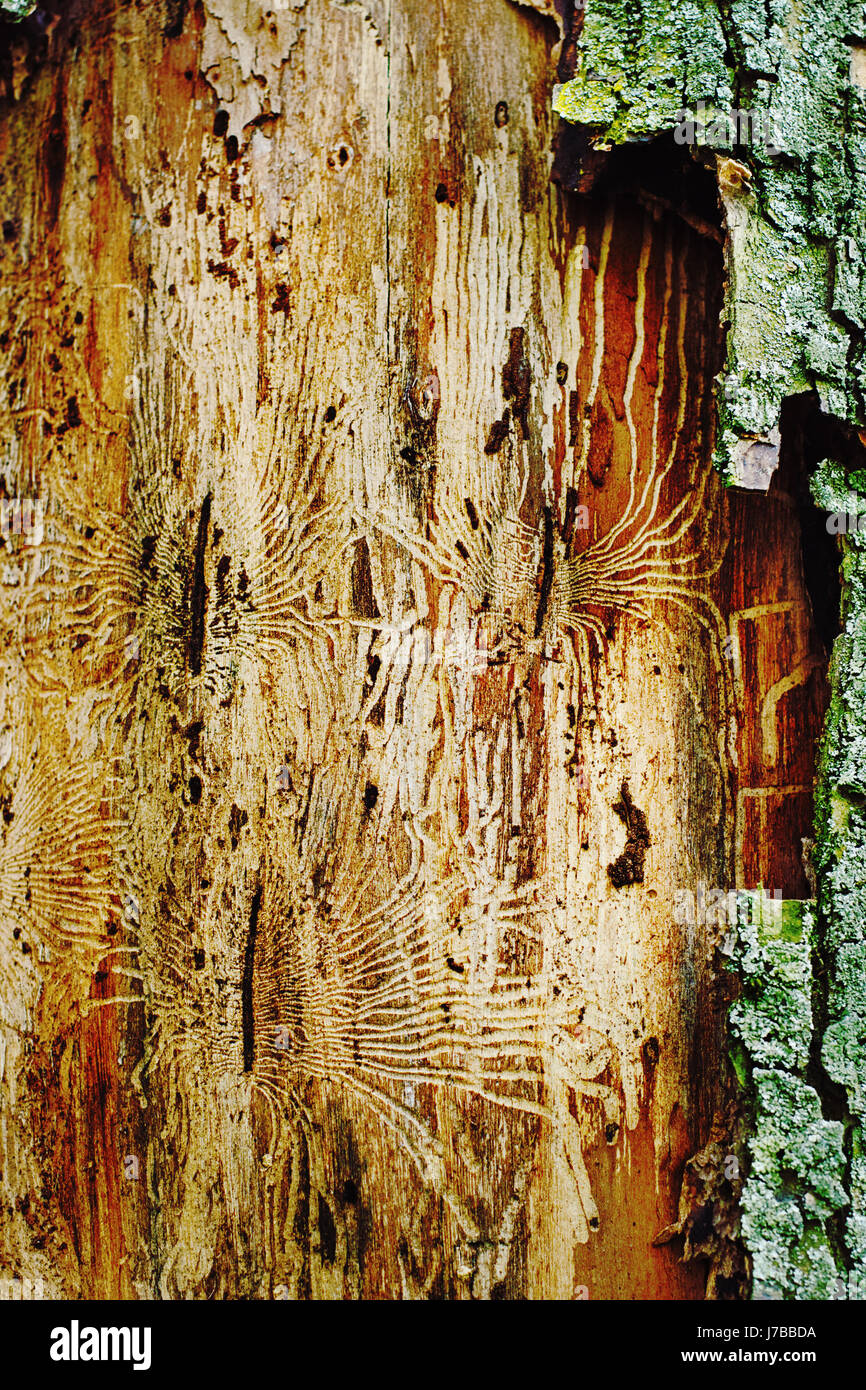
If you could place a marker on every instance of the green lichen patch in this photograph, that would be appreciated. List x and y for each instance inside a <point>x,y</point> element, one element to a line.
<point>796,1185</point>
<point>840,850</point>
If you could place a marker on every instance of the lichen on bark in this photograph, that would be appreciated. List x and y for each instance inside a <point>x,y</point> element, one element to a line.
<point>841,847</point>
<point>795,1189</point>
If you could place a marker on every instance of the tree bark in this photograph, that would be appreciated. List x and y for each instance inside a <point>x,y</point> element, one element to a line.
<point>392,680</point>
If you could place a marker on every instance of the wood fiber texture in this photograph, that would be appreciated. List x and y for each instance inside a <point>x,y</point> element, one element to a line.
<point>371,691</point>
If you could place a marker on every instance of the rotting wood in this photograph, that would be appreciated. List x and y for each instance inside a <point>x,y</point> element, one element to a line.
<point>383,553</point>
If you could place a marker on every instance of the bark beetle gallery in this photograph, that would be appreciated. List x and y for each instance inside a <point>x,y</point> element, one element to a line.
<point>390,657</point>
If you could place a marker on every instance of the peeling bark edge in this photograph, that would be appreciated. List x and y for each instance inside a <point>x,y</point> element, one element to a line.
<point>794,298</point>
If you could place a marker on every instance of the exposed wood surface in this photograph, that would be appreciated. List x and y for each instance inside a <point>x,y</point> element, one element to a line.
<point>370,694</point>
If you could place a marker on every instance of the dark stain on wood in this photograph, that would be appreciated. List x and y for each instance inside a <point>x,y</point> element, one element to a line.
<point>516,380</point>
<point>498,434</point>
<point>628,868</point>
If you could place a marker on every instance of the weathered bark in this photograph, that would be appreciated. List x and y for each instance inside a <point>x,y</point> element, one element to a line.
<point>392,658</point>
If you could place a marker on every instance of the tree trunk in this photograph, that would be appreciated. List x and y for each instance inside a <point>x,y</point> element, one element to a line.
<point>389,681</point>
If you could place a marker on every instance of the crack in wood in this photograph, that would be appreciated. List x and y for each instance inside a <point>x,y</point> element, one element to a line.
<point>198,591</point>
<point>247,1017</point>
